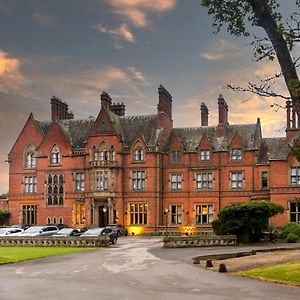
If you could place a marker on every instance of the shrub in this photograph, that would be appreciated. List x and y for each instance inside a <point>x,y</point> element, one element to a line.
<point>290,228</point>
<point>292,237</point>
<point>246,221</point>
<point>4,216</point>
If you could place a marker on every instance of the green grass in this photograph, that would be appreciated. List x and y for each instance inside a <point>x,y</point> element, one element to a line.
<point>18,254</point>
<point>285,273</point>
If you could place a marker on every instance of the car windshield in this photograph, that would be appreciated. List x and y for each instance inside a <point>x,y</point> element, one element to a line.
<point>33,229</point>
<point>3,230</point>
<point>95,231</point>
<point>65,231</point>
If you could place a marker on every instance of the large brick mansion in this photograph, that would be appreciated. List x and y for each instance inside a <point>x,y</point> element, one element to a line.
<point>141,172</point>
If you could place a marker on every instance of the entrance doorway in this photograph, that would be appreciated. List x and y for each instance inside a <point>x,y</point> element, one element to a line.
<point>103,216</point>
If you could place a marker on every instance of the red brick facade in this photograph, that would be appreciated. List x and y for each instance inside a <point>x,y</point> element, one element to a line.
<point>143,173</point>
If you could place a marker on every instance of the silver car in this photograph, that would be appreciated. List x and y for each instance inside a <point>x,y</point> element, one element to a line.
<point>39,231</point>
<point>10,231</point>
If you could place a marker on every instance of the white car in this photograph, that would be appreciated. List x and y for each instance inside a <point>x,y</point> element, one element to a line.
<point>39,231</point>
<point>10,231</point>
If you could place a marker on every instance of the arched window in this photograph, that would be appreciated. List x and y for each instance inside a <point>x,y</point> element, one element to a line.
<point>29,159</point>
<point>54,220</point>
<point>55,155</point>
<point>112,153</point>
<point>60,220</point>
<point>48,220</point>
<point>138,154</point>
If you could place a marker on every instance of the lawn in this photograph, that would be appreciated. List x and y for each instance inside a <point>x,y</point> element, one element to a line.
<point>285,273</point>
<point>18,254</point>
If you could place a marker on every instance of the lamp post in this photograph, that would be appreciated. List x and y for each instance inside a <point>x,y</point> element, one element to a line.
<point>166,214</point>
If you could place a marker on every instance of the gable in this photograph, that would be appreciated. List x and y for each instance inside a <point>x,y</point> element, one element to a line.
<point>103,124</point>
<point>176,144</point>
<point>204,143</point>
<point>236,141</point>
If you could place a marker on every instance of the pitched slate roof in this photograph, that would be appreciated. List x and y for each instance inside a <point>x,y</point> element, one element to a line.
<point>250,135</point>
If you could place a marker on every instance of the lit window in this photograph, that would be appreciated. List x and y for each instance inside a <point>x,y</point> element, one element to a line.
<point>236,154</point>
<point>55,189</point>
<point>30,184</point>
<point>295,212</point>
<point>204,213</point>
<point>204,181</point>
<point>102,180</point>
<point>79,182</point>
<point>138,180</point>
<point>176,156</point>
<point>205,155</point>
<point>138,213</point>
<point>176,214</point>
<point>176,182</point>
<point>55,155</point>
<point>295,176</point>
<point>236,180</point>
<point>79,214</point>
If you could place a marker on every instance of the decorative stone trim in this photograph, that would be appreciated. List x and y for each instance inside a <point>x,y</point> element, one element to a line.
<point>198,241</point>
<point>48,241</point>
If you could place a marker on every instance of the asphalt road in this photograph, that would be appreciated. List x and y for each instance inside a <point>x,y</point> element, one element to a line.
<point>136,268</point>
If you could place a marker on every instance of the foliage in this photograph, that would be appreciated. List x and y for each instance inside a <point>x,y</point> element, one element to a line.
<point>18,254</point>
<point>293,228</point>
<point>286,273</point>
<point>292,238</point>
<point>246,221</point>
<point>4,216</point>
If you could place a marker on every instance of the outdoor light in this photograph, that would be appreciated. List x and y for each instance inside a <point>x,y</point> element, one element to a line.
<point>104,209</point>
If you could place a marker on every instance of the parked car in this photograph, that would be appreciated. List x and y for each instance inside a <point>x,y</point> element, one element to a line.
<point>69,232</point>
<point>59,226</point>
<point>10,231</point>
<point>97,232</point>
<point>120,229</point>
<point>40,231</point>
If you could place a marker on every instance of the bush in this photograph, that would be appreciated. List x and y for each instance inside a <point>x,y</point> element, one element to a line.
<point>290,228</point>
<point>246,221</point>
<point>4,216</point>
<point>292,237</point>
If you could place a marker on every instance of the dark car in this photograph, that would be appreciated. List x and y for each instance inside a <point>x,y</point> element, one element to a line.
<point>120,229</point>
<point>69,232</point>
<point>97,232</point>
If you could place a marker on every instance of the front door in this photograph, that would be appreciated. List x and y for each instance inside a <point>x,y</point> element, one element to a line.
<point>103,216</point>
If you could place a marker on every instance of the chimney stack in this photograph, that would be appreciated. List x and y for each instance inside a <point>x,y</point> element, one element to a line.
<point>118,109</point>
<point>59,110</point>
<point>105,100</point>
<point>204,114</point>
<point>223,111</point>
<point>164,109</point>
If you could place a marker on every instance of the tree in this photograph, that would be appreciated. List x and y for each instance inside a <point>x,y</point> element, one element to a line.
<point>246,221</point>
<point>278,42</point>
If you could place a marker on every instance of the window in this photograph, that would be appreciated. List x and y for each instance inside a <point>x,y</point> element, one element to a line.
<point>79,182</point>
<point>138,213</point>
<point>295,176</point>
<point>295,212</point>
<point>176,156</point>
<point>236,180</point>
<point>79,214</point>
<point>204,181</point>
<point>30,184</point>
<point>54,220</point>
<point>55,189</point>
<point>103,154</point>
<point>236,154</point>
<point>176,214</point>
<point>264,180</point>
<point>55,155</point>
<point>29,214</point>
<point>102,180</point>
<point>60,220</point>
<point>48,220</point>
<point>138,154</point>
<point>176,182</point>
<point>138,180</point>
<point>205,155</point>
<point>204,213</point>
<point>30,161</point>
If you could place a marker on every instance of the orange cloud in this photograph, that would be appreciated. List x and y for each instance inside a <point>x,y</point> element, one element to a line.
<point>121,32</point>
<point>137,11</point>
<point>138,75</point>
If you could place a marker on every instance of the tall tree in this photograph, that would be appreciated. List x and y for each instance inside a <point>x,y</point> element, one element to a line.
<point>279,41</point>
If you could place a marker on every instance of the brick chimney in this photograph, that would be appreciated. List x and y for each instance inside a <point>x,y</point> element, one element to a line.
<point>59,110</point>
<point>118,109</point>
<point>223,111</point>
<point>164,109</point>
<point>105,100</point>
<point>204,114</point>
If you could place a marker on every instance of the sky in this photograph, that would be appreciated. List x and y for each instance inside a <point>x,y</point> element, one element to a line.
<point>75,49</point>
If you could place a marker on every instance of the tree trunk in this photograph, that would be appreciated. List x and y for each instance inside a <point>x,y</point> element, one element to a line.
<point>267,22</point>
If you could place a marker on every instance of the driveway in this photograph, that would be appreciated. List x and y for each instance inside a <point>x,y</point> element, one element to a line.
<point>136,268</point>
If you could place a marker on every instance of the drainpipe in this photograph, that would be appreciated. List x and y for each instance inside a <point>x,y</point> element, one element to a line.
<point>219,175</point>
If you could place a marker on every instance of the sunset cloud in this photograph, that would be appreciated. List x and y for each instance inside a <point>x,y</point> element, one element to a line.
<point>137,11</point>
<point>121,32</point>
<point>138,75</point>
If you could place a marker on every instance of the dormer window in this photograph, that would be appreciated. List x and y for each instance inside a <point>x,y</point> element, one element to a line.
<point>30,161</point>
<point>176,156</point>
<point>236,154</point>
<point>55,155</point>
<point>138,154</point>
<point>204,154</point>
